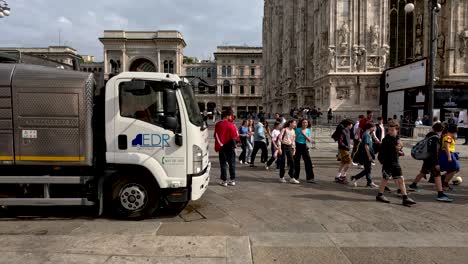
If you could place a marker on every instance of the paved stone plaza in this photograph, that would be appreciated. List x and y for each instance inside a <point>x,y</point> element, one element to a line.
<point>258,221</point>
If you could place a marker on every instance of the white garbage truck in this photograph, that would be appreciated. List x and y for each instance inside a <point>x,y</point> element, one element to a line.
<point>128,148</point>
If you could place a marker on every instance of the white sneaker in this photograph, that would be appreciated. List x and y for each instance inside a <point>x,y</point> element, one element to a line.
<point>294,181</point>
<point>223,183</point>
<point>355,164</point>
<point>241,162</point>
<point>266,166</point>
<point>373,185</point>
<point>373,163</point>
<point>361,167</point>
<point>282,180</point>
<point>232,183</point>
<point>354,182</point>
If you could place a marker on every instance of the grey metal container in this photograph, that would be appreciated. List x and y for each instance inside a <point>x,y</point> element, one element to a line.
<point>45,116</point>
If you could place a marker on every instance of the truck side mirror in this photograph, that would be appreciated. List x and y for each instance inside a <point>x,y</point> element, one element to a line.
<point>170,102</point>
<point>171,123</point>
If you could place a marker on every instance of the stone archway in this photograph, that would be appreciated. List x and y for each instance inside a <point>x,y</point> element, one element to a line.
<point>142,65</point>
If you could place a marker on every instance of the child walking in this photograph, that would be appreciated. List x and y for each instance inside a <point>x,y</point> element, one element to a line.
<point>344,148</point>
<point>288,150</point>
<point>448,159</point>
<point>390,158</point>
<point>275,145</point>
<point>365,155</point>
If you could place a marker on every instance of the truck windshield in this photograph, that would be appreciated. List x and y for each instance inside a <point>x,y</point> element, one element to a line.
<point>191,104</point>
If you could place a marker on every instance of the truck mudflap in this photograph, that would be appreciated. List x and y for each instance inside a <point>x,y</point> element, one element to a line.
<point>200,183</point>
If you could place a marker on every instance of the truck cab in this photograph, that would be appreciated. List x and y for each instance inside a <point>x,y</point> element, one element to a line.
<point>128,148</point>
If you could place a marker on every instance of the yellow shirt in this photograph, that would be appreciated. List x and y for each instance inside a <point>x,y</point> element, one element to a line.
<point>448,139</point>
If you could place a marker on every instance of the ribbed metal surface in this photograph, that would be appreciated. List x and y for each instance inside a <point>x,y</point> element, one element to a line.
<point>6,123</point>
<point>56,104</point>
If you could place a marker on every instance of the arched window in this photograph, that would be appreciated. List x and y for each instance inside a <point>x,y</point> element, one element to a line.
<point>229,71</point>
<point>224,71</point>
<point>95,70</point>
<point>208,73</point>
<point>204,72</point>
<point>226,87</point>
<point>166,66</point>
<point>171,67</point>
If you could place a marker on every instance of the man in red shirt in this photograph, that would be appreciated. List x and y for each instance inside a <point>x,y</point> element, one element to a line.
<point>226,137</point>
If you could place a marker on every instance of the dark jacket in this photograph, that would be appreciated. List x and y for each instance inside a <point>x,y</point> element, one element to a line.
<point>344,142</point>
<point>379,132</point>
<point>390,155</point>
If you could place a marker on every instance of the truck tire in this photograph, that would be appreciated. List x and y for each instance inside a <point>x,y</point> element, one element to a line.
<point>133,198</point>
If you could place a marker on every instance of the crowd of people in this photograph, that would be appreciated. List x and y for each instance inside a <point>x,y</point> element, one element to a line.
<point>360,143</point>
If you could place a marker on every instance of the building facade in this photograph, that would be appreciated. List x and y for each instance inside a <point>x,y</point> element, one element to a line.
<point>97,68</point>
<point>327,54</point>
<point>331,54</point>
<point>239,79</point>
<point>160,51</point>
<point>53,56</point>
<point>203,77</point>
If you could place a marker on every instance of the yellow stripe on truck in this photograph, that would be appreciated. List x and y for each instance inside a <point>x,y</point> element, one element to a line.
<point>48,158</point>
<point>9,158</point>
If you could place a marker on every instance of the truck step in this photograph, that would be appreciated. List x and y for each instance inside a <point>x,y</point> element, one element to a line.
<point>46,179</point>
<point>45,202</point>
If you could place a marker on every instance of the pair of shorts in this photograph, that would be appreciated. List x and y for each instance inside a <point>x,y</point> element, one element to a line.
<point>345,157</point>
<point>392,172</point>
<point>446,166</point>
<point>430,167</point>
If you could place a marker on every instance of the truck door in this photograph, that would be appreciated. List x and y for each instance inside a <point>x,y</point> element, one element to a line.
<point>140,121</point>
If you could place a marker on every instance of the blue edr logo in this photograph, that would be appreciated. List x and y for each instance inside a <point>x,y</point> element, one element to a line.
<point>151,141</point>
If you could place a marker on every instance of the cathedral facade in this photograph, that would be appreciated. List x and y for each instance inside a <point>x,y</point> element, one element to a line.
<point>331,54</point>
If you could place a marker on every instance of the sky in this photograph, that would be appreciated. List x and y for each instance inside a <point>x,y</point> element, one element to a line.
<point>205,24</point>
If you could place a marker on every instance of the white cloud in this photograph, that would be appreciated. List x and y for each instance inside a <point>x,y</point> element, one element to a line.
<point>204,23</point>
<point>64,20</point>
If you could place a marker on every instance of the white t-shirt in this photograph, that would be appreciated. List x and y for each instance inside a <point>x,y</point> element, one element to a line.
<point>275,134</point>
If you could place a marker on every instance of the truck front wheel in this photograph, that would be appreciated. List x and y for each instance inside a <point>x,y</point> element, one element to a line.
<point>133,198</point>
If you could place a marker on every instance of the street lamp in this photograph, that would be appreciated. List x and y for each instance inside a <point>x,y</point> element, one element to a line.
<point>435,8</point>
<point>4,9</point>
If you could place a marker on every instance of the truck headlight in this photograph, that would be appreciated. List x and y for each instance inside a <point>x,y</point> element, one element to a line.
<point>197,159</point>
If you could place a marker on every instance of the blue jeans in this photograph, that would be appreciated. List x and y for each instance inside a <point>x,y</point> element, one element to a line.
<point>366,172</point>
<point>227,157</point>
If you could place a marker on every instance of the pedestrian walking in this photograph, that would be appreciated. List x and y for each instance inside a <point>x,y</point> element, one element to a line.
<point>260,140</point>
<point>379,134</point>
<point>330,115</point>
<point>275,145</point>
<point>391,169</point>
<point>250,142</point>
<point>448,159</point>
<point>303,135</point>
<point>244,137</point>
<point>365,155</point>
<point>288,150</point>
<point>430,165</point>
<point>214,113</point>
<point>355,136</point>
<point>226,137</point>
<point>344,148</point>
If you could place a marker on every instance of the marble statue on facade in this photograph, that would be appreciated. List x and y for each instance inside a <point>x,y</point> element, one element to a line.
<point>344,37</point>
<point>375,37</point>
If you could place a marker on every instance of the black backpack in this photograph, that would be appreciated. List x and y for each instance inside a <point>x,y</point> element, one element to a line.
<point>336,135</point>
